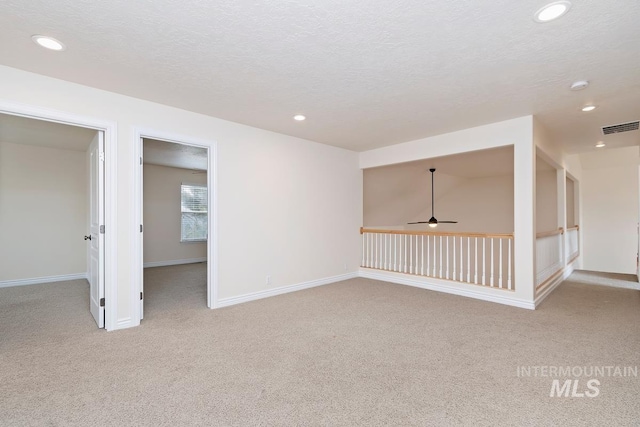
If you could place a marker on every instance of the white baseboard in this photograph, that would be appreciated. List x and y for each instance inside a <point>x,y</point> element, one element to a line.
<point>174,262</point>
<point>446,287</point>
<point>40,280</point>
<point>225,302</point>
<point>554,284</point>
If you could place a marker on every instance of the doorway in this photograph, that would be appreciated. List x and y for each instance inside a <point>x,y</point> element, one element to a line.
<point>175,210</point>
<point>53,193</point>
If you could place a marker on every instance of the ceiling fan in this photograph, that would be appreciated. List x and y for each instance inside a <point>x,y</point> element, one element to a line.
<point>433,222</point>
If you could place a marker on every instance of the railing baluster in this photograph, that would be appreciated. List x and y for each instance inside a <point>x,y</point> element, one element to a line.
<point>404,249</point>
<point>400,253</point>
<point>454,258</point>
<point>395,252</point>
<point>492,262</point>
<point>476,268</point>
<point>484,261</point>
<point>509,266</point>
<point>428,255</point>
<point>500,271</point>
<point>461,261</point>
<point>387,251</point>
<point>440,238</point>
<point>422,257</point>
<point>468,259</point>
<point>411,254</point>
<point>417,254</point>
<point>447,270</point>
<point>376,251</point>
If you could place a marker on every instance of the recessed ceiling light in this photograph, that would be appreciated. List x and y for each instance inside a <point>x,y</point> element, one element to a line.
<point>299,117</point>
<point>588,108</point>
<point>552,11</point>
<point>48,42</point>
<point>600,144</point>
<point>579,85</point>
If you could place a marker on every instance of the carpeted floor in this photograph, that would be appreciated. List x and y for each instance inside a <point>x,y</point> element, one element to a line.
<point>617,280</point>
<point>358,352</point>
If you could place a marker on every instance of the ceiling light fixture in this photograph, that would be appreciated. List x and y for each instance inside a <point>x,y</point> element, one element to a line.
<point>299,117</point>
<point>552,11</point>
<point>579,85</point>
<point>48,42</point>
<point>600,144</point>
<point>588,108</point>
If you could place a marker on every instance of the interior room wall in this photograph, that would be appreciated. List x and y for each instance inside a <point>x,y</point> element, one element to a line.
<point>162,215</point>
<point>483,204</point>
<point>609,189</point>
<point>288,208</point>
<point>546,200</point>
<point>571,212</point>
<point>43,212</point>
<point>399,194</point>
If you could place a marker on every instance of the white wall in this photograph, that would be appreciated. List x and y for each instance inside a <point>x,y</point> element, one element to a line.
<point>287,207</point>
<point>493,135</point>
<point>43,212</point>
<point>482,204</point>
<point>399,194</point>
<point>546,200</point>
<point>571,211</point>
<point>162,214</point>
<point>610,210</point>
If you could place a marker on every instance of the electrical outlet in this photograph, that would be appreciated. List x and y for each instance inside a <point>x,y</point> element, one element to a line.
<point>268,280</point>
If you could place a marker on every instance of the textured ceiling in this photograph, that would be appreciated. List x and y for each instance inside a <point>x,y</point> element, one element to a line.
<point>21,130</point>
<point>366,74</point>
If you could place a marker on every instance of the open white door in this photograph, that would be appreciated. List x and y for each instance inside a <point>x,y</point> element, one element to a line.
<point>95,157</point>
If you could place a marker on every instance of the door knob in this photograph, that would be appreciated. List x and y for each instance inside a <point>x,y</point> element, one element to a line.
<point>87,237</point>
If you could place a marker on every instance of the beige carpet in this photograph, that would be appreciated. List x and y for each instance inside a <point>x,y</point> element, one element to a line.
<point>359,352</point>
<point>616,280</point>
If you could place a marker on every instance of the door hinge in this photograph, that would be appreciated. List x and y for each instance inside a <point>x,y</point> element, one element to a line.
<point>140,296</point>
<point>102,229</point>
<point>141,228</point>
<point>140,160</point>
<point>101,302</point>
<point>101,156</point>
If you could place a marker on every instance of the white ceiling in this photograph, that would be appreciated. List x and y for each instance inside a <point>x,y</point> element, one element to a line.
<point>22,130</point>
<point>175,155</point>
<point>366,74</point>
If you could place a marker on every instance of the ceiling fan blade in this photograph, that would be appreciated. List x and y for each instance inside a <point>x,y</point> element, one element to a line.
<point>447,222</point>
<point>419,222</point>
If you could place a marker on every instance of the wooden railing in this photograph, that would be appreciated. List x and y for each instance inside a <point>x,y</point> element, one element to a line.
<point>476,258</point>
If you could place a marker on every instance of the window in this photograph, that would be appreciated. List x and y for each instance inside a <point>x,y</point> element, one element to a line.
<point>194,210</point>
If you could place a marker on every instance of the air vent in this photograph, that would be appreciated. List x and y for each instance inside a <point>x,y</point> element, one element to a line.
<point>624,127</point>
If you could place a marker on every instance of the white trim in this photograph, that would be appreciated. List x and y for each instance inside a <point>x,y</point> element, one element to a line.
<point>174,262</point>
<point>124,323</point>
<point>444,286</point>
<point>554,284</point>
<point>110,190</point>
<point>225,302</point>
<point>212,185</point>
<point>40,280</point>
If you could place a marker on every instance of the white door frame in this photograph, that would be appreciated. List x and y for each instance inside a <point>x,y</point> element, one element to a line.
<point>212,224</point>
<point>110,190</point>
